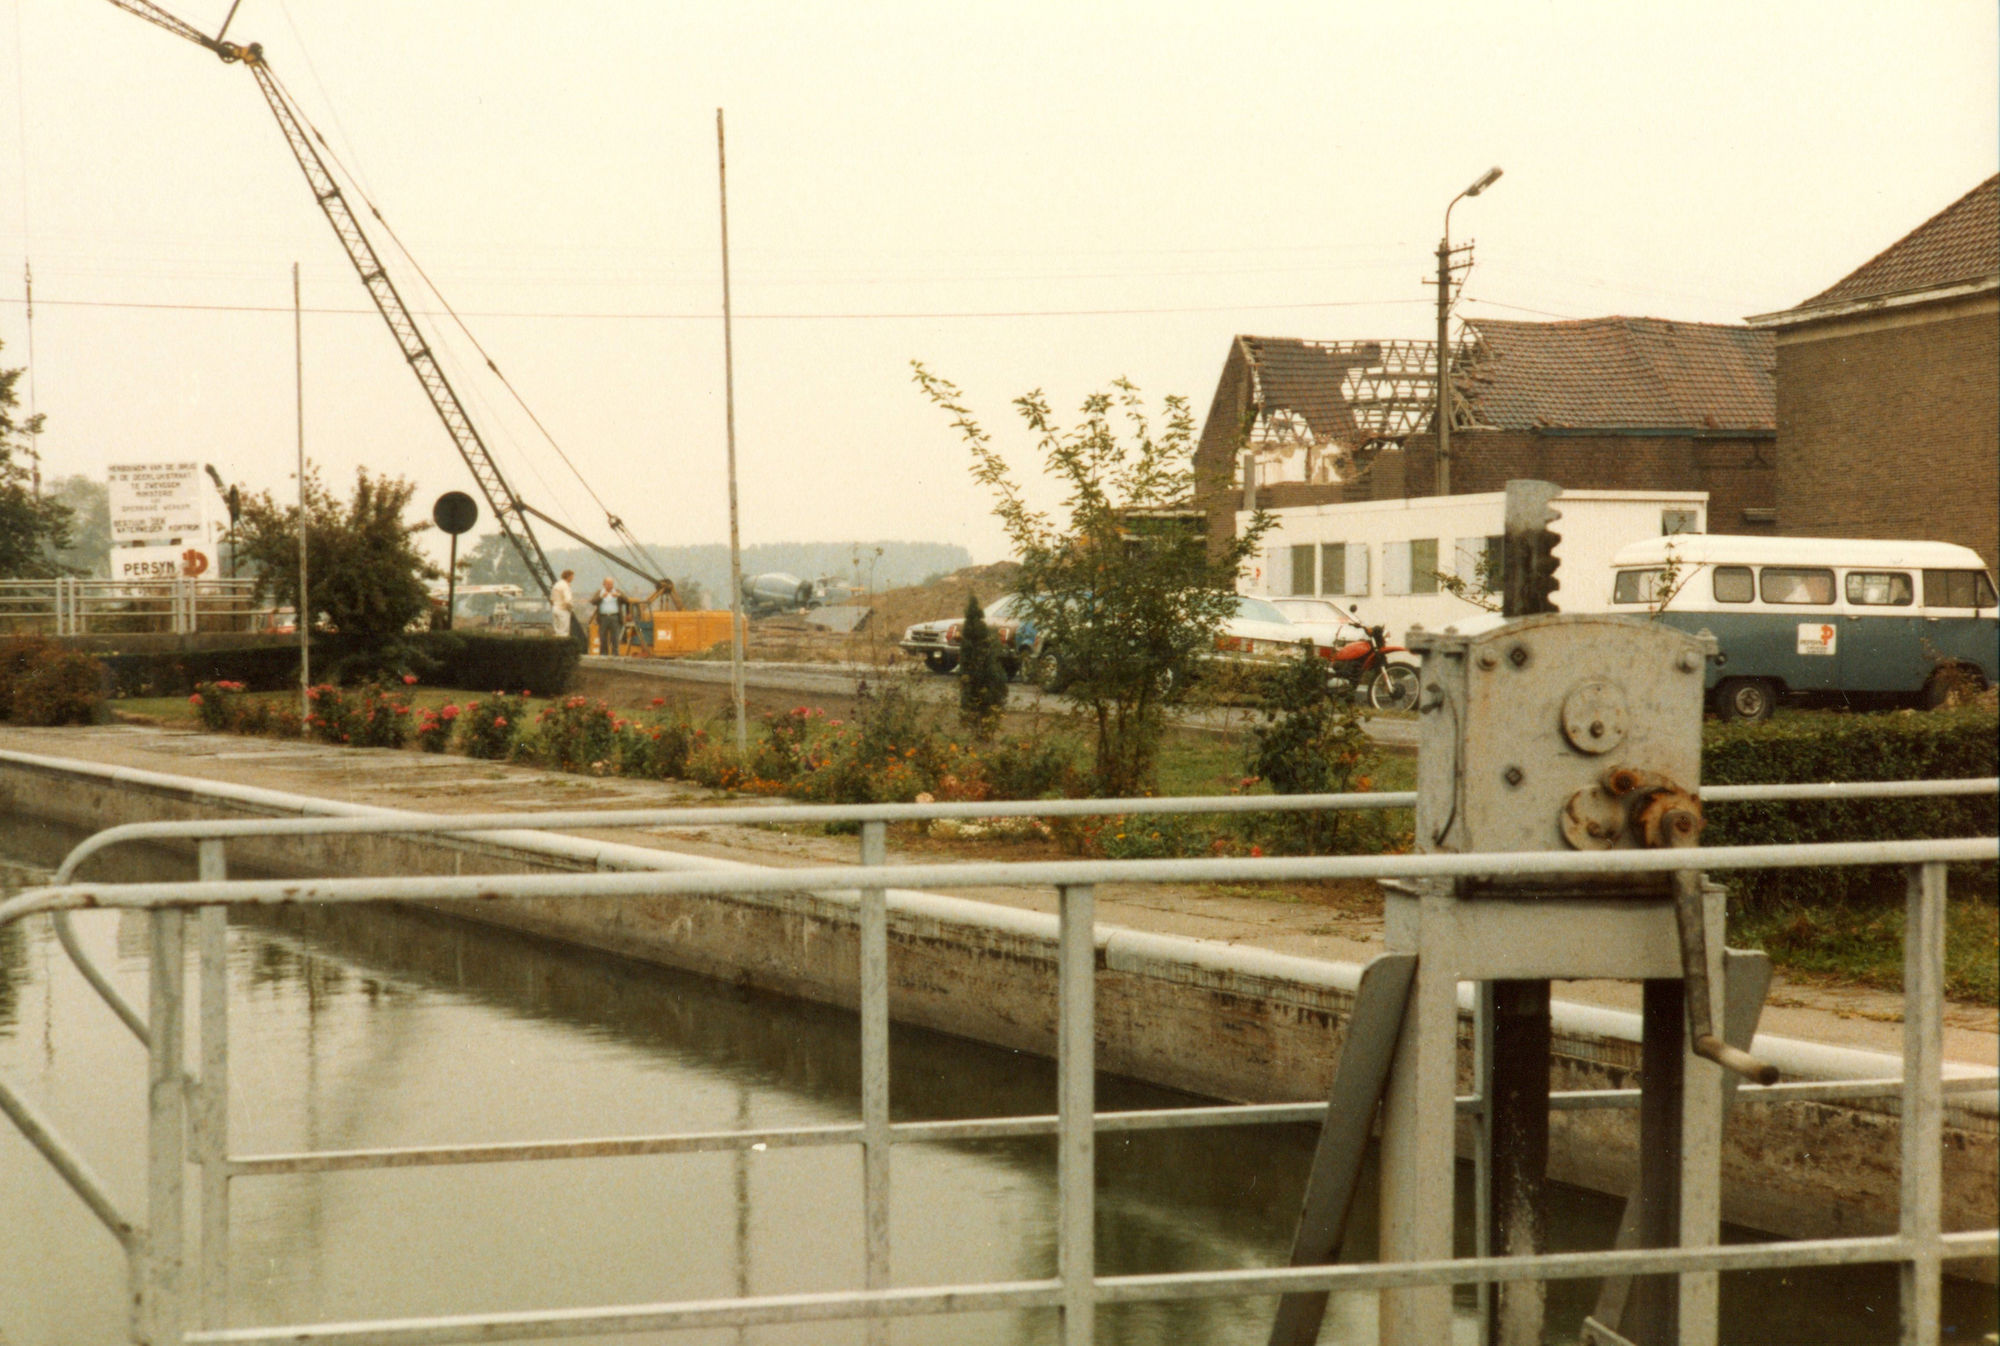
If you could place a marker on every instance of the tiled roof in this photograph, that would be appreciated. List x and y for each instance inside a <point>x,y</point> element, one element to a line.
<point>1959,244</point>
<point>1306,378</point>
<point>1623,373</point>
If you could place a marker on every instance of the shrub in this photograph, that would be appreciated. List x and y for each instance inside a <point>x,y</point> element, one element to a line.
<point>434,726</point>
<point>490,725</point>
<point>265,667</point>
<point>539,665</point>
<point>578,734</point>
<point>283,720</point>
<point>1830,746</point>
<point>1310,742</point>
<point>217,705</point>
<point>982,680</point>
<point>659,749</point>
<point>793,745</point>
<point>381,718</point>
<point>1040,766</point>
<point>330,717</point>
<point>890,753</point>
<point>43,683</point>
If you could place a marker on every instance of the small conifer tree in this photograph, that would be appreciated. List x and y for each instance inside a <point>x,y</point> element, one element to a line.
<point>982,679</point>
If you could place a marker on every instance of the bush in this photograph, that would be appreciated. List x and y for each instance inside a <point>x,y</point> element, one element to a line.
<point>891,752</point>
<point>538,665</point>
<point>381,717</point>
<point>218,705</point>
<point>1311,742</point>
<point>659,749</point>
<point>331,717</point>
<point>490,725</point>
<point>42,683</point>
<point>1830,746</point>
<point>578,734</point>
<point>434,726</point>
<point>982,681</point>
<point>266,667</point>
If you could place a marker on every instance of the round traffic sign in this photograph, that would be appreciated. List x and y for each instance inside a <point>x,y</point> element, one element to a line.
<point>455,512</point>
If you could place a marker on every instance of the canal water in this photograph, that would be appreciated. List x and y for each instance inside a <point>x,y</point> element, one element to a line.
<point>353,1028</point>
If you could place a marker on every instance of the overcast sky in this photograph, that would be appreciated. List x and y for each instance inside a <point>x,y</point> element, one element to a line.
<point>1023,196</point>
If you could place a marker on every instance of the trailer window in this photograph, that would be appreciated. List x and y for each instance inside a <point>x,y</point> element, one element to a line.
<point>1637,586</point>
<point>1734,584</point>
<point>1957,589</point>
<point>1880,589</point>
<point>1812,588</point>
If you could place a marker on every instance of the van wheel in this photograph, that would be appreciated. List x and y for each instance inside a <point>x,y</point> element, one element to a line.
<point>1748,699</point>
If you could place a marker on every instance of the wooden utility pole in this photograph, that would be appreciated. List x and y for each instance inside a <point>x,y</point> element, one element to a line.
<point>302,621</point>
<point>736,626</point>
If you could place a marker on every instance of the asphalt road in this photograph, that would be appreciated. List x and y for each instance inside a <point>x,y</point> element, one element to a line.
<point>841,680</point>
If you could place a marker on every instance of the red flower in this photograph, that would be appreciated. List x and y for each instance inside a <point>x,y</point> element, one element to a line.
<point>659,701</point>
<point>195,700</point>
<point>409,679</point>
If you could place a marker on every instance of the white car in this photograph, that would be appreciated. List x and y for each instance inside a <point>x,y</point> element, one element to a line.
<point>1323,615</point>
<point>1261,629</point>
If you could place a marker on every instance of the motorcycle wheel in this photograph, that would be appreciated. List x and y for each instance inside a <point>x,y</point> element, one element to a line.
<point>1394,688</point>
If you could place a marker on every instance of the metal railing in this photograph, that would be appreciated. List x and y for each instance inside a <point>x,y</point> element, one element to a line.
<point>187,1110</point>
<point>80,607</point>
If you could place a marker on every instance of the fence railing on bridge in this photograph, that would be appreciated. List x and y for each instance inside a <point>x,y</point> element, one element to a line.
<point>69,606</point>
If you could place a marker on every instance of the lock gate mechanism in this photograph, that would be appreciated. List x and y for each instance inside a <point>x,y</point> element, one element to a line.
<point>1630,807</point>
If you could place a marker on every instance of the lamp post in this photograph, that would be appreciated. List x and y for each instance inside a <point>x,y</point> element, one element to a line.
<point>1442,418</point>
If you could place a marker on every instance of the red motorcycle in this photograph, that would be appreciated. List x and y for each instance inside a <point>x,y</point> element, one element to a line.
<point>1364,665</point>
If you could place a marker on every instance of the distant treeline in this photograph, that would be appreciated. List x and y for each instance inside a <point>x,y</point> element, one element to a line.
<point>872,565</point>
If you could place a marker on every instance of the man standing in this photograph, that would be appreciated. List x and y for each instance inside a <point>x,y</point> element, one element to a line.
<point>562,601</point>
<point>609,614</point>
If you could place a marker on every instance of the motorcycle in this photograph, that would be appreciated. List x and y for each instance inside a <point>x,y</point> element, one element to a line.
<point>1365,667</point>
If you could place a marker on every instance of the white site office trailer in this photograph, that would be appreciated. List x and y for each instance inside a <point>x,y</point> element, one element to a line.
<point>1381,558</point>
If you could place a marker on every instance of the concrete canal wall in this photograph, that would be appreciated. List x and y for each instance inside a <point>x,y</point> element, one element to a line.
<point>1229,1021</point>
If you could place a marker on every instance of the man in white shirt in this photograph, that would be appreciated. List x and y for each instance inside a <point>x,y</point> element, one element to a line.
<point>561,602</point>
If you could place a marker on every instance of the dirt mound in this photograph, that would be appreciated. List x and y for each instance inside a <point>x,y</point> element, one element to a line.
<point>791,638</point>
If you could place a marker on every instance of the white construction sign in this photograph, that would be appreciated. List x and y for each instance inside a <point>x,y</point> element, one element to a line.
<point>154,501</point>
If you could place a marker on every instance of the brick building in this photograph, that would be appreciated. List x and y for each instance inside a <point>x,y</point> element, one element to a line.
<point>1615,404</point>
<point>1889,390</point>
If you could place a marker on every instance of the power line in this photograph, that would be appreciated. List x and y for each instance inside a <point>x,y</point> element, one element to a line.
<point>663,316</point>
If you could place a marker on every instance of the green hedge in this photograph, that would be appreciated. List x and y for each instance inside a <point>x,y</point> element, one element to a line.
<point>1802,747</point>
<point>261,668</point>
<point>476,661</point>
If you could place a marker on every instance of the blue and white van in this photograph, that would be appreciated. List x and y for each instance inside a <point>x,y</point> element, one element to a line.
<point>1812,617</point>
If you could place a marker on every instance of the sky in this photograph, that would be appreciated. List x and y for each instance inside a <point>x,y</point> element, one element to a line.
<point>1023,196</point>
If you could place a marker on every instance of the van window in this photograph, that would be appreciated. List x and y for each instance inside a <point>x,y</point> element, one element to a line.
<point>1782,584</point>
<point>1637,586</point>
<point>1957,589</point>
<point>1733,584</point>
<point>1880,589</point>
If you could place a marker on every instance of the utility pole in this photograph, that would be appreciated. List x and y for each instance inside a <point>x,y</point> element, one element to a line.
<point>302,620</point>
<point>1441,419</point>
<point>737,632</point>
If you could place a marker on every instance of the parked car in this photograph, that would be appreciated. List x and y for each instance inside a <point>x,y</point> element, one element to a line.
<point>937,642</point>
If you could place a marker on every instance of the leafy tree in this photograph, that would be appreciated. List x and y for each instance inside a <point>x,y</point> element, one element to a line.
<point>982,679</point>
<point>1124,593</point>
<point>493,560</point>
<point>89,503</point>
<point>366,576</point>
<point>33,528</point>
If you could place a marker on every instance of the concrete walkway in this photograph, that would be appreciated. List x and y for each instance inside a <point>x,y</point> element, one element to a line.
<point>1336,925</point>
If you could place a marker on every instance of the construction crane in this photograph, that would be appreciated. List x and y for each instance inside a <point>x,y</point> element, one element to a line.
<point>509,511</point>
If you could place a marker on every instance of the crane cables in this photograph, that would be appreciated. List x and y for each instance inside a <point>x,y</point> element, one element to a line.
<point>617,525</point>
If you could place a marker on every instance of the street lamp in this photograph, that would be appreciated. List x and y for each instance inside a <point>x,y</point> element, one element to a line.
<point>1442,417</point>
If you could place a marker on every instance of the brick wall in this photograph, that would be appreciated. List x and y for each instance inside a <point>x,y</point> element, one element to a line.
<point>1738,473</point>
<point>1889,426</point>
